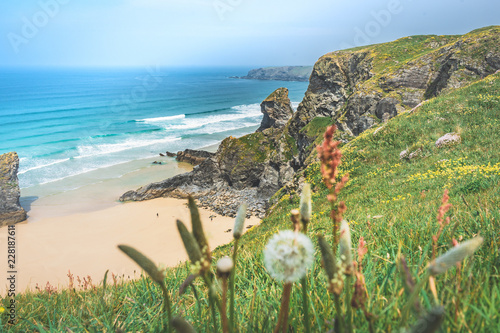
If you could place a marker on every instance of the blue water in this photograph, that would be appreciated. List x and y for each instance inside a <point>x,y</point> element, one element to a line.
<point>68,122</point>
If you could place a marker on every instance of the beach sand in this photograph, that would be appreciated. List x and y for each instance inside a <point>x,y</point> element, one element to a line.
<point>86,243</point>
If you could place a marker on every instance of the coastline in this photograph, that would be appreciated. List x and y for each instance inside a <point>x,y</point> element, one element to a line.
<point>78,230</point>
<point>86,243</point>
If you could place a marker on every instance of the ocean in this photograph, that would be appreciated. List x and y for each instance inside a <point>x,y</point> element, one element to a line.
<point>75,127</point>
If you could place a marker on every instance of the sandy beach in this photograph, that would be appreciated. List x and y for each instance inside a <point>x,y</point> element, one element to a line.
<point>86,243</point>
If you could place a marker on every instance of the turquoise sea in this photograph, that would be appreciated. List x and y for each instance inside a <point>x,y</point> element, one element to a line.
<point>68,123</point>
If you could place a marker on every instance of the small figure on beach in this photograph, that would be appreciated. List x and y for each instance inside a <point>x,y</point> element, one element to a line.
<point>157,215</point>
<point>212,217</point>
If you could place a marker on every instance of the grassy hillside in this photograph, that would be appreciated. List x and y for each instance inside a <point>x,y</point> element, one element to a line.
<point>391,202</point>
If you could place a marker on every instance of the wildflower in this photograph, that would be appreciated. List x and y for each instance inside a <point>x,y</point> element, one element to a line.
<point>239,222</point>
<point>455,255</point>
<point>288,255</point>
<point>2,309</point>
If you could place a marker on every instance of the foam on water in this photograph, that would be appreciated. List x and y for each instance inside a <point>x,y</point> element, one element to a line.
<point>65,124</point>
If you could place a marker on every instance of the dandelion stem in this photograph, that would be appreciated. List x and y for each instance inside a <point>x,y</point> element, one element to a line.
<point>232,318</point>
<point>305,305</point>
<point>225,324</point>
<point>282,324</point>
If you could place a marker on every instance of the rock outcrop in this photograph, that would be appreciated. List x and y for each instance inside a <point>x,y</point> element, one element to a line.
<point>277,110</point>
<point>10,210</point>
<point>355,89</point>
<point>193,157</point>
<point>284,73</point>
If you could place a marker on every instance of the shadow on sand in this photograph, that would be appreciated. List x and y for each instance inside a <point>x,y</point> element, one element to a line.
<point>27,201</point>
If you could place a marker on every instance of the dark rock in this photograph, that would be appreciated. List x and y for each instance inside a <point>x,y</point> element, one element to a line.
<point>169,154</point>
<point>277,110</point>
<point>10,210</point>
<point>162,155</point>
<point>193,157</point>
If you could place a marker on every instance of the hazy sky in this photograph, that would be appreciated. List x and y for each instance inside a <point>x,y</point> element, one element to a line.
<point>218,32</point>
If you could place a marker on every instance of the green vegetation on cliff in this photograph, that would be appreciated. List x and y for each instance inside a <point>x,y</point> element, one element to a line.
<point>391,202</point>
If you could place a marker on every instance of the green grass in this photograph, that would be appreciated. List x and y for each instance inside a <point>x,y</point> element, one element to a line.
<point>392,203</point>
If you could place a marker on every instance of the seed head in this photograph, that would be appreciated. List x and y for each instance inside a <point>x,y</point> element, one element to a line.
<point>305,204</point>
<point>224,266</point>
<point>239,222</point>
<point>288,255</point>
<point>345,249</point>
<point>455,255</point>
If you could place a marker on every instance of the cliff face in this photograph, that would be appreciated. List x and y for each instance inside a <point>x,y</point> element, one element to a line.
<point>355,89</point>
<point>277,110</point>
<point>10,209</point>
<point>247,169</point>
<point>363,87</point>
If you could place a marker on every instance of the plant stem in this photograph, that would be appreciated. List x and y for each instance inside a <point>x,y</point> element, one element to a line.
<point>348,291</point>
<point>166,306</point>
<point>305,306</point>
<point>232,319</point>
<point>214,312</point>
<point>413,297</point>
<point>225,324</point>
<point>285,303</point>
<point>339,316</point>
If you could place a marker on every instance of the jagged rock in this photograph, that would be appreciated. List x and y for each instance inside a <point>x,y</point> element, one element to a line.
<point>448,139</point>
<point>354,89</point>
<point>162,155</point>
<point>169,154</point>
<point>277,110</point>
<point>193,157</point>
<point>10,209</point>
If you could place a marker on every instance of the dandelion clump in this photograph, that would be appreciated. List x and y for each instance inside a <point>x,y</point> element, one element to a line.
<point>288,256</point>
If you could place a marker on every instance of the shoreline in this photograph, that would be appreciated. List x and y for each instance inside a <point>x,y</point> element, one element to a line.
<point>98,189</point>
<point>86,243</point>
<point>78,230</point>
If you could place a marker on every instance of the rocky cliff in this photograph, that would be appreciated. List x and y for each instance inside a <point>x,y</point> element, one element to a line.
<point>10,209</point>
<point>284,73</point>
<point>355,89</point>
<point>277,110</point>
<point>247,169</point>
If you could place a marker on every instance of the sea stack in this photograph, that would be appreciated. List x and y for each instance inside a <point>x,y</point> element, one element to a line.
<point>277,110</point>
<point>10,210</point>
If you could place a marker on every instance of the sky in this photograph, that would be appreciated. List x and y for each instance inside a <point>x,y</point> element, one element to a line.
<point>135,33</point>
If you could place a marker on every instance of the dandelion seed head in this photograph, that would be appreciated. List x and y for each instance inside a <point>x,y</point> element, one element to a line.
<point>224,265</point>
<point>288,255</point>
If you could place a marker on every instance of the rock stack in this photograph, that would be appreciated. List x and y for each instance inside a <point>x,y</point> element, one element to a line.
<point>10,210</point>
